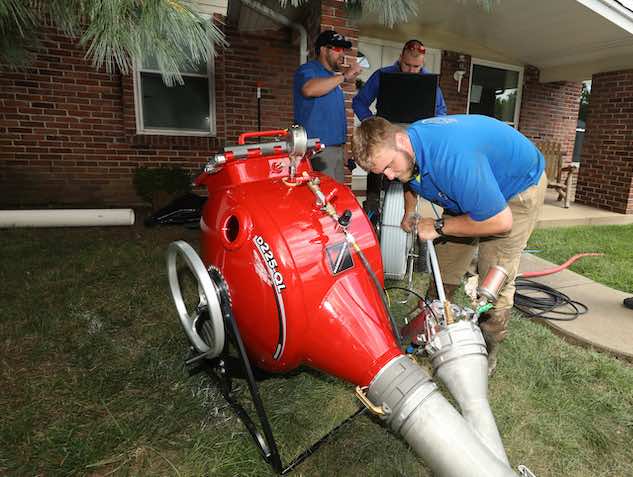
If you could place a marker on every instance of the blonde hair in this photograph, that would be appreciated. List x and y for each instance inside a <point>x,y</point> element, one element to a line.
<point>372,134</point>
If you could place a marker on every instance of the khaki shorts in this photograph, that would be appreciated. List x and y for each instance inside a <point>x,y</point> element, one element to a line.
<point>504,250</point>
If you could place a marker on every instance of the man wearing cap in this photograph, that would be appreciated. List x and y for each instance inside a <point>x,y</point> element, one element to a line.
<point>319,104</point>
<point>411,61</point>
<point>489,179</point>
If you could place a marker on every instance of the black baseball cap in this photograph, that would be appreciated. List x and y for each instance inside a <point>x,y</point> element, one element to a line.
<point>331,38</point>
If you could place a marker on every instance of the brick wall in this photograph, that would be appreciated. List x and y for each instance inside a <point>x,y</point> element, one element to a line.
<point>270,58</point>
<point>606,174</point>
<point>68,132</point>
<point>549,111</point>
<point>456,103</point>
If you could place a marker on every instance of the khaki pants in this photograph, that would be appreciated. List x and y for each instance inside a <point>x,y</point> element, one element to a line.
<point>504,250</point>
<point>330,162</point>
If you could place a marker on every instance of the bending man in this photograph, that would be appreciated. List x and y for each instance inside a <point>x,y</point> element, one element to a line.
<point>486,176</point>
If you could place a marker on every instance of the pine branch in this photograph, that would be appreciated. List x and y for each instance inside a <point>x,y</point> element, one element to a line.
<point>17,24</point>
<point>294,3</point>
<point>390,12</point>
<point>120,33</point>
<point>116,33</point>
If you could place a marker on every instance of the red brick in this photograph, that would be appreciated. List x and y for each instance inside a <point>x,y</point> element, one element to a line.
<point>606,172</point>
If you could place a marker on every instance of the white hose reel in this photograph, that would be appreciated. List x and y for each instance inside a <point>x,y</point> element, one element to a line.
<point>395,243</point>
<point>203,325</point>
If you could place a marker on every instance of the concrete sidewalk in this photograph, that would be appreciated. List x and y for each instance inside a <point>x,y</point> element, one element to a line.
<point>607,326</point>
<point>555,215</point>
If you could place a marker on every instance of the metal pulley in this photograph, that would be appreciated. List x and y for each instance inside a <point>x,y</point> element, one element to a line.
<point>202,323</point>
<point>297,140</point>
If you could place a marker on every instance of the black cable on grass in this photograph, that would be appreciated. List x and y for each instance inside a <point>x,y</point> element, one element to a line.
<point>407,290</point>
<point>545,302</point>
<point>422,299</point>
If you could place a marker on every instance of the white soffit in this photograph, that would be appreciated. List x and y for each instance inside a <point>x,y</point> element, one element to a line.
<point>565,39</point>
<point>209,7</point>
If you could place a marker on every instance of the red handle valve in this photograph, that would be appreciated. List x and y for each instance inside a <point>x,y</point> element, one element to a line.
<point>244,136</point>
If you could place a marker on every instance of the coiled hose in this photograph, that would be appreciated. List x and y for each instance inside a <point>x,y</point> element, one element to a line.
<point>536,300</point>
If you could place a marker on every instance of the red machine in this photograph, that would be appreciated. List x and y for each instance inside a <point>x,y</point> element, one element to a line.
<point>298,290</point>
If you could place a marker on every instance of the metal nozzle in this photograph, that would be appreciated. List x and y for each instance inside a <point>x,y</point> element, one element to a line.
<point>214,163</point>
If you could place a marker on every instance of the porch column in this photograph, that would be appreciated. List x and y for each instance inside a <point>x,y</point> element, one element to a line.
<point>606,170</point>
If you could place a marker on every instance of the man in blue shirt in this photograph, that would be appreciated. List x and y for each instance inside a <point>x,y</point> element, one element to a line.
<point>411,61</point>
<point>319,104</point>
<point>486,175</point>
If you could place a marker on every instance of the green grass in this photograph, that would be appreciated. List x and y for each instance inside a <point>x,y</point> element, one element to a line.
<point>614,269</point>
<point>93,382</point>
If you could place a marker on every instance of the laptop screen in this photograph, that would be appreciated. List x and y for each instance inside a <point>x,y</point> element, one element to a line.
<point>406,97</point>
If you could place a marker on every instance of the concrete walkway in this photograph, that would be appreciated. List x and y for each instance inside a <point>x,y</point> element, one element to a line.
<point>555,215</point>
<point>607,326</point>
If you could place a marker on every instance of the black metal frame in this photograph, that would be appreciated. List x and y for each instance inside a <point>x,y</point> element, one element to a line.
<point>223,369</point>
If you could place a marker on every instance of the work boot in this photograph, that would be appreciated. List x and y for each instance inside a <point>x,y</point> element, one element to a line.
<point>493,347</point>
<point>494,326</point>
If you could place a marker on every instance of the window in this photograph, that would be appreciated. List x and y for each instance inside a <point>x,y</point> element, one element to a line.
<point>495,90</point>
<point>187,109</point>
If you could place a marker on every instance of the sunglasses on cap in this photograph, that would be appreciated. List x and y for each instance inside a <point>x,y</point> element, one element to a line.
<point>414,45</point>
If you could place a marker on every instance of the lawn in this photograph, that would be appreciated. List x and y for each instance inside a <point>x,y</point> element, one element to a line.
<point>615,269</point>
<point>93,381</point>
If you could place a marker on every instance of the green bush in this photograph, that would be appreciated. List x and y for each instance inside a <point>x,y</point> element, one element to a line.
<point>170,180</point>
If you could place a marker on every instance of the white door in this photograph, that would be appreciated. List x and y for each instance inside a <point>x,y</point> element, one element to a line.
<point>495,90</point>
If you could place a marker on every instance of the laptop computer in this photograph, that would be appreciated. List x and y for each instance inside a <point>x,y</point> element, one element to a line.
<point>406,97</point>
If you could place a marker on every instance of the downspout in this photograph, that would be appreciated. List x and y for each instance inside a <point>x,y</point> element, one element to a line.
<point>279,18</point>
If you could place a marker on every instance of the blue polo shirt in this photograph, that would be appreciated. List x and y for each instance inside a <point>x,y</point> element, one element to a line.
<point>368,93</point>
<point>472,164</point>
<point>323,116</point>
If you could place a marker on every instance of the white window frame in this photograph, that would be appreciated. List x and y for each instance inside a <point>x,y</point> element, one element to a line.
<point>138,103</point>
<point>493,64</point>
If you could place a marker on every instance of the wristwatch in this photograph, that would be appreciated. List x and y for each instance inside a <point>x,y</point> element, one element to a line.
<point>439,226</point>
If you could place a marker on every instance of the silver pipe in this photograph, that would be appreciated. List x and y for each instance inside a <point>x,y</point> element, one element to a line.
<point>435,267</point>
<point>425,419</point>
<point>240,151</point>
<point>459,358</point>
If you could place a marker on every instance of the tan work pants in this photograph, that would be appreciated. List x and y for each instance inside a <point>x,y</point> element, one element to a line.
<point>504,250</point>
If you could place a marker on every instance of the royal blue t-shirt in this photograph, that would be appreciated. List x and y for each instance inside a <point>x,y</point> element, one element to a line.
<point>472,164</point>
<point>323,116</point>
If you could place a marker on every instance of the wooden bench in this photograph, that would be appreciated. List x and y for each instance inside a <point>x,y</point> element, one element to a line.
<point>559,176</point>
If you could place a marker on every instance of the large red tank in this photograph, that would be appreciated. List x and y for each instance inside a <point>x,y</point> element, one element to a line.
<point>300,294</point>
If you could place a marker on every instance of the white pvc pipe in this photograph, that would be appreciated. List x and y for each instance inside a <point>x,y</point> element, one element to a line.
<point>435,267</point>
<point>66,217</point>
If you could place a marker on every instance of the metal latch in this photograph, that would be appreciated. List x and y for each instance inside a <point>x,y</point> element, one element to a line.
<point>362,396</point>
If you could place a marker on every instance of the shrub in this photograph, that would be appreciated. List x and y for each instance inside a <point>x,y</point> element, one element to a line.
<point>150,182</point>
